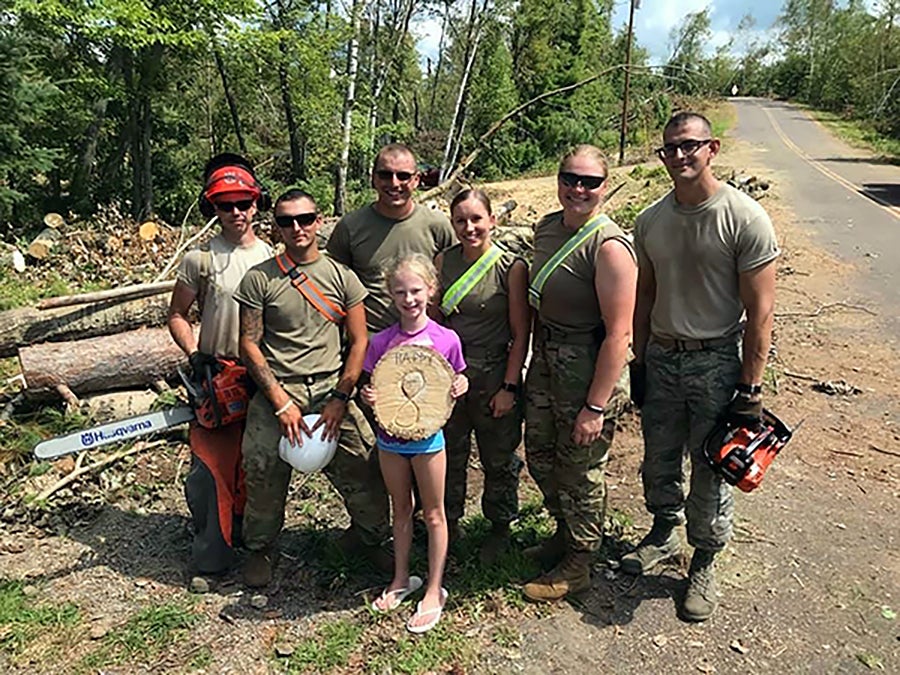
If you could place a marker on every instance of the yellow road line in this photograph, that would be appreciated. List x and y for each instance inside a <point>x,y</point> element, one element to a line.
<point>825,171</point>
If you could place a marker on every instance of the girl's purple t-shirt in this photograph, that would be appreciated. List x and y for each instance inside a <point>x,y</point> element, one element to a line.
<point>444,341</point>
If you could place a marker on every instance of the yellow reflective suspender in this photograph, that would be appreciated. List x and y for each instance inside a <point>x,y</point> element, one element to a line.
<point>310,291</point>
<point>536,287</point>
<point>460,288</point>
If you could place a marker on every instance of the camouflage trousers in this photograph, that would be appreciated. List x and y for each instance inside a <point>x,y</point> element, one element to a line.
<point>497,440</point>
<point>354,470</point>
<point>571,477</point>
<point>686,393</point>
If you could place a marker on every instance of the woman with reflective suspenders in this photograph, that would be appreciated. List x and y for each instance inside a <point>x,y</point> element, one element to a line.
<point>582,287</point>
<point>484,300</point>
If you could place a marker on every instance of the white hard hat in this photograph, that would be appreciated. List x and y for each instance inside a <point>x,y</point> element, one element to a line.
<point>314,454</point>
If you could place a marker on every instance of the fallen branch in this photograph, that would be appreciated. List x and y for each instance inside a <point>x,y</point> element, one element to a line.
<point>883,451</point>
<point>495,127</point>
<point>822,308</point>
<point>800,376</point>
<point>122,293</point>
<point>849,453</point>
<point>80,470</point>
<point>181,249</point>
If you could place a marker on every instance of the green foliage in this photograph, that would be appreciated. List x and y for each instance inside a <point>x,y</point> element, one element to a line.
<point>22,619</point>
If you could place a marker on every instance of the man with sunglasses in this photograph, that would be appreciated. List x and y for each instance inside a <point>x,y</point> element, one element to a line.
<point>209,276</point>
<point>294,308</point>
<point>367,239</point>
<point>702,330</point>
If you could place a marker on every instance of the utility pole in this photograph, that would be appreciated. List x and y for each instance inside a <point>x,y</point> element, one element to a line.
<point>624,127</point>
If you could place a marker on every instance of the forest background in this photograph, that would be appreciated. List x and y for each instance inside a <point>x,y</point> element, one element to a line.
<point>121,102</point>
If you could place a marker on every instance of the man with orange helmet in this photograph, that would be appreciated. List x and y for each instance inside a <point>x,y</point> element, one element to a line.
<point>210,276</point>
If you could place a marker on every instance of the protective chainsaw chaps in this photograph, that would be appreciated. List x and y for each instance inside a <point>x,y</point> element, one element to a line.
<point>742,455</point>
<point>223,395</point>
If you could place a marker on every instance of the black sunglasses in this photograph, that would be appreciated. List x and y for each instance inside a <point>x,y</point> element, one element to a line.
<point>228,207</point>
<point>402,176</point>
<point>587,182</point>
<point>688,148</point>
<point>302,219</point>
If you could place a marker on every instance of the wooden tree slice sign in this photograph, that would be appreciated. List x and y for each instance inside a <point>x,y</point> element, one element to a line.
<point>413,392</point>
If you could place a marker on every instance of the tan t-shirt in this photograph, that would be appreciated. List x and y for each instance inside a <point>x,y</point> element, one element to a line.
<point>367,242</point>
<point>569,300</point>
<point>297,340</point>
<point>220,316</point>
<point>482,318</point>
<point>697,253</point>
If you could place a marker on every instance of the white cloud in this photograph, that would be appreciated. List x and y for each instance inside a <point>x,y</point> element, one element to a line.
<point>428,34</point>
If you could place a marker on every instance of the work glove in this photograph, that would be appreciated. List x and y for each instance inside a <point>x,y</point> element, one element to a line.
<point>199,362</point>
<point>743,412</point>
<point>637,372</point>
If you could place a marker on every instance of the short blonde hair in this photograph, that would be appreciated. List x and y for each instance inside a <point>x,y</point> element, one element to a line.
<point>591,151</point>
<point>416,263</point>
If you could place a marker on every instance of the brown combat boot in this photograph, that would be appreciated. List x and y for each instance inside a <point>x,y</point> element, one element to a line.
<point>352,546</point>
<point>549,552</point>
<point>701,597</point>
<point>571,576</point>
<point>258,568</point>
<point>496,544</point>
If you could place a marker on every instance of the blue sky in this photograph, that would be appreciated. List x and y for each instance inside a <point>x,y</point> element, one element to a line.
<point>656,18</point>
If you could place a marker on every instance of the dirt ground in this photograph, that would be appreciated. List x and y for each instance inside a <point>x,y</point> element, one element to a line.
<point>810,583</point>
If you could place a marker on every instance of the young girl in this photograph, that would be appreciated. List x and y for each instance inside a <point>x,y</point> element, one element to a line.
<point>485,302</point>
<point>412,281</point>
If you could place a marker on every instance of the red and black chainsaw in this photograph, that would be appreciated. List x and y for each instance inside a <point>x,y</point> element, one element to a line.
<point>742,454</point>
<point>220,397</point>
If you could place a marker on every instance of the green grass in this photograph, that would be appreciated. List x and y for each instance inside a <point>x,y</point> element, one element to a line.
<point>15,293</point>
<point>22,620</point>
<point>328,649</point>
<point>859,134</point>
<point>441,647</point>
<point>19,436</point>
<point>143,636</point>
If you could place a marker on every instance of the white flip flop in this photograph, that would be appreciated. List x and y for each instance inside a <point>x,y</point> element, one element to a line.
<point>399,595</point>
<point>435,615</point>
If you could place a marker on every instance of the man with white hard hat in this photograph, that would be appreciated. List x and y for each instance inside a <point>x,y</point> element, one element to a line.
<point>293,309</point>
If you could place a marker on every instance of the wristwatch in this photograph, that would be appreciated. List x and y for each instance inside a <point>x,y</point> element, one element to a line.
<point>748,389</point>
<point>339,395</point>
<point>511,387</point>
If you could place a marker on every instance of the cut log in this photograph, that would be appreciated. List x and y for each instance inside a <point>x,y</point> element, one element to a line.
<point>28,325</point>
<point>120,294</point>
<point>148,230</point>
<point>41,245</point>
<point>110,362</point>
<point>117,405</point>
<point>54,220</point>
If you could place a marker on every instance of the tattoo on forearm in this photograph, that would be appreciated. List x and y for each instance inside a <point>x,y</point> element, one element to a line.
<point>252,324</point>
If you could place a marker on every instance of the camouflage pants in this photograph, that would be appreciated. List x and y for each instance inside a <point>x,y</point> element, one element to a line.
<point>353,471</point>
<point>497,440</point>
<point>571,477</point>
<point>686,392</point>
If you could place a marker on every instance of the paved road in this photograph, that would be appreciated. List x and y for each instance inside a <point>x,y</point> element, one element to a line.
<point>850,201</point>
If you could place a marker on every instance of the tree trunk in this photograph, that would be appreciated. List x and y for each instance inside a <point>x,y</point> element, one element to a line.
<point>229,97</point>
<point>27,325</point>
<point>398,30</point>
<point>87,154</point>
<point>119,294</point>
<point>440,62</point>
<point>123,361</point>
<point>454,134</point>
<point>41,246</point>
<point>340,191</point>
<point>298,169</point>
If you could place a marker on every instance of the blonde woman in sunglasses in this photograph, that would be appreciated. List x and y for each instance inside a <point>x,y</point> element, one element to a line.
<point>582,289</point>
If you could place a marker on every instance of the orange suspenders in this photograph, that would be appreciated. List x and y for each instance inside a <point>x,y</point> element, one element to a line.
<point>310,291</point>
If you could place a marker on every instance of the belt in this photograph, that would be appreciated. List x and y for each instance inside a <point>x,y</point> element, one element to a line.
<point>692,345</point>
<point>309,380</point>
<point>546,333</point>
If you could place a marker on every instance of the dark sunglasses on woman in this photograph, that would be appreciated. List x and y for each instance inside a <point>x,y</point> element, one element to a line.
<point>587,182</point>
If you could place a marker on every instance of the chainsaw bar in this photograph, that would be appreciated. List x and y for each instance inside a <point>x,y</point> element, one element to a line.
<point>113,432</point>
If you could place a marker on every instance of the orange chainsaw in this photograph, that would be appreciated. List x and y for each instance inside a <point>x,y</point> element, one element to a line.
<point>742,454</point>
<point>220,397</point>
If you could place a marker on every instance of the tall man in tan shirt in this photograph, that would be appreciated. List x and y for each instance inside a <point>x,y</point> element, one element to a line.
<point>702,329</point>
